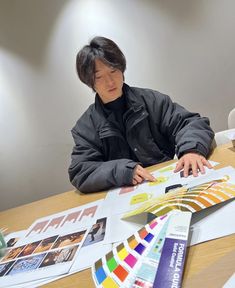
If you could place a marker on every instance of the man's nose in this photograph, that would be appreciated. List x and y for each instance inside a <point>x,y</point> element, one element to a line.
<point>109,80</point>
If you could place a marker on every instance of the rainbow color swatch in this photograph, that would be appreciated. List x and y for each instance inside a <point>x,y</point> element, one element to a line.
<point>134,263</point>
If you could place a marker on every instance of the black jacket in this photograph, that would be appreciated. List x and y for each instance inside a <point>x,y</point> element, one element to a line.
<point>156,130</point>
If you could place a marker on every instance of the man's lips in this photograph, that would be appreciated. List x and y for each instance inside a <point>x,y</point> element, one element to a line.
<point>113,89</point>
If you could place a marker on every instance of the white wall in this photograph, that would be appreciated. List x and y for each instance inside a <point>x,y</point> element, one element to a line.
<point>183,48</point>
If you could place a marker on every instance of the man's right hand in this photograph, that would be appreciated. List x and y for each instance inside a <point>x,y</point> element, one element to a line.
<point>141,174</point>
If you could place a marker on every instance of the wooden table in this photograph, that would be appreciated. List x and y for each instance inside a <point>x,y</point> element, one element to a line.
<point>208,265</point>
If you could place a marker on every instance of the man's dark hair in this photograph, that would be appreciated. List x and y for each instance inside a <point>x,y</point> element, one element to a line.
<point>100,48</point>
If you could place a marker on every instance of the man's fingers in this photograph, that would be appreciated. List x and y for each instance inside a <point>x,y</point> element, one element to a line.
<point>186,169</point>
<point>190,161</point>
<point>141,174</point>
<point>179,166</point>
<point>134,182</point>
<point>149,177</point>
<point>201,166</point>
<point>138,179</point>
<point>206,163</point>
<point>194,167</point>
<point>146,175</point>
<point>194,162</point>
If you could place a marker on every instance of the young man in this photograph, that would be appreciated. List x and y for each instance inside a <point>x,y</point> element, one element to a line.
<point>129,128</point>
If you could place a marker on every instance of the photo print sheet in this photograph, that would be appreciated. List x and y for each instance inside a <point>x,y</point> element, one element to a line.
<point>44,257</point>
<point>51,245</point>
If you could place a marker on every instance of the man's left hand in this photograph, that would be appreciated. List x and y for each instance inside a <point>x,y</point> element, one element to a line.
<point>192,161</point>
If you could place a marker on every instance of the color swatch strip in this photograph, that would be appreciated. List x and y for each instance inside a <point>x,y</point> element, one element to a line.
<point>117,267</point>
<point>191,199</point>
<point>137,261</point>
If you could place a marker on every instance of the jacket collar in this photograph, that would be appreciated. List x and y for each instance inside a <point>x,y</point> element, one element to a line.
<point>133,106</point>
<point>132,100</point>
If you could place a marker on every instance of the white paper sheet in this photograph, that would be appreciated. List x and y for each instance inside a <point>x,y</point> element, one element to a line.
<point>118,201</point>
<point>119,229</point>
<point>121,200</point>
<point>230,283</point>
<point>217,222</point>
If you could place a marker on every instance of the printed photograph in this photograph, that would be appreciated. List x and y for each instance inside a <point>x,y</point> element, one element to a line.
<point>97,232</point>
<point>45,244</point>
<point>11,242</point>
<point>69,239</point>
<point>59,256</point>
<point>29,248</point>
<point>5,267</point>
<point>26,264</point>
<point>13,253</point>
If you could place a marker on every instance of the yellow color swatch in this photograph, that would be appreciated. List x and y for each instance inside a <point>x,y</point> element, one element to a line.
<point>109,283</point>
<point>122,253</point>
<point>158,181</point>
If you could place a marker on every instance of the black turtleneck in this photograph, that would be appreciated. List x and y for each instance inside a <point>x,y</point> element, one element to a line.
<point>117,108</point>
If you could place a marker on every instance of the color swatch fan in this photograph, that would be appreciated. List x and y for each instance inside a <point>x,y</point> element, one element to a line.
<point>191,199</point>
<point>153,255</point>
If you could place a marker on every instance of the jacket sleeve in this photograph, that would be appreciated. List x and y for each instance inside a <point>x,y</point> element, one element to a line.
<point>188,131</point>
<point>88,171</point>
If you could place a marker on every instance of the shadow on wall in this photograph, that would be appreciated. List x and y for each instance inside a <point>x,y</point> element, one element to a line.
<point>183,11</point>
<point>35,180</point>
<point>26,23</point>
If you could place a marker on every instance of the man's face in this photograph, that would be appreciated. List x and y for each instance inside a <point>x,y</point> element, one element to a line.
<point>108,82</point>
